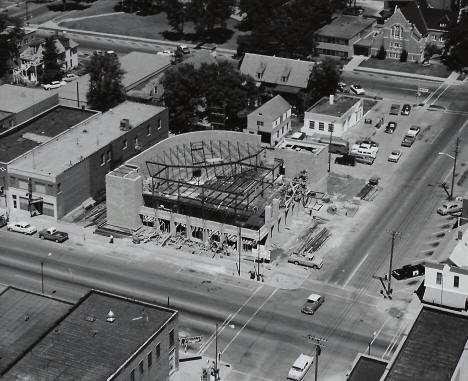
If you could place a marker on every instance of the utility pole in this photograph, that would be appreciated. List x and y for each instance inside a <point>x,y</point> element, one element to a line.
<point>216,355</point>
<point>457,148</point>
<point>77,94</point>
<point>319,343</point>
<point>387,287</point>
<point>42,277</point>
<point>329,147</point>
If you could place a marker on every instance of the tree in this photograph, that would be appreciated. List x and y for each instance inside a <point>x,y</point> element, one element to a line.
<point>105,84</point>
<point>430,50</point>
<point>455,53</point>
<point>206,14</point>
<point>404,56</point>
<point>323,81</point>
<point>382,53</point>
<point>11,35</point>
<point>52,70</point>
<point>176,11</point>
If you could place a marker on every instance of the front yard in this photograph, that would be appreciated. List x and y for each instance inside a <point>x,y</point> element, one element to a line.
<point>434,70</point>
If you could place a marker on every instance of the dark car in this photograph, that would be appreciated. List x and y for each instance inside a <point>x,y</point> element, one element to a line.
<point>346,160</point>
<point>406,109</point>
<point>408,141</point>
<point>3,221</point>
<point>395,109</point>
<point>408,271</point>
<point>391,127</point>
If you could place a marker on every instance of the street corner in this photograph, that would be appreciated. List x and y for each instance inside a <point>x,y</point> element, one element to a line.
<point>287,277</point>
<point>396,308</point>
<point>199,367</point>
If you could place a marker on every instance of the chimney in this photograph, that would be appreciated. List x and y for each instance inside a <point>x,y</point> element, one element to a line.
<point>125,125</point>
<point>331,98</point>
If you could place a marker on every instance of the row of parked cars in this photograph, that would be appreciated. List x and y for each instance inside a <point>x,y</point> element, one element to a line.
<point>51,234</point>
<point>56,84</point>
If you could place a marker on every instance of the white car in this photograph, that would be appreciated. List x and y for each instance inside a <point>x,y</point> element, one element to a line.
<point>166,53</point>
<point>69,77</point>
<point>450,207</point>
<point>53,85</point>
<point>22,227</point>
<point>413,131</point>
<point>357,89</point>
<point>312,304</point>
<point>394,156</point>
<point>300,367</point>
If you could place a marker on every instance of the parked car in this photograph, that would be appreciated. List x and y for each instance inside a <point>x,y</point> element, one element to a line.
<point>3,221</point>
<point>406,109</point>
<point>408,271</point>
<point>394,156</point>
<point>169,53</point>
<point>300,367</point>
<point>367,143</point>
<point>184,49</point>
<point>52,234</point>
<point>408,141</point>
<point>414,131</point>
<point>346,160</point>
<point>369,160</point>
<point>69,77</point>
<point>22,227</point>
<point>309,260</point>
<point>395,109</point>
<point>391,127</point>
<point>53,85</point>
<point>312,304</point>
<point>357,89</point>
<point>342,87</point>
<point>450,207</point>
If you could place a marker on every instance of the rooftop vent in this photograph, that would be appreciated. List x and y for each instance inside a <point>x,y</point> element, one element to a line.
<point>90,318</point>
<point>125,125</point>
<point>110,317</point>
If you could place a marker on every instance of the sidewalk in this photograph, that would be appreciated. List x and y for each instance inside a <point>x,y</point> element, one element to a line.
<point>192,370</point>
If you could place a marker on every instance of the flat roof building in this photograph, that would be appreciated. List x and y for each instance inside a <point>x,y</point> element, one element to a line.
<point>102,337</point>
<point>61,174</point>
<point>18,104</point>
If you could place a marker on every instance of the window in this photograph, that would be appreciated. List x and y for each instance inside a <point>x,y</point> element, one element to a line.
<point>103,159</point>
<point>159,124</point>
<point>396,32</point>
<point>109,155</point>
<point>124,144</point>
<point>136,141</point>
<point>396,45</point>
<point>321,126</point>
<point>439,278</point>
<point>141,367</point>
<point>148,130</point>
<point>150,359</point>
<point>59,188</point>
<point>330,127</point>
<point>259,75</point>
<point>171,338</point>
<point>434,37</point>
<point>456,281</point>
<point>259,123</point>
<point>284,78</point>
<point>441,38</point>
<point>311,124</point>
<point>132,375</point>
<point>40,188</point>
<point>158,351</point>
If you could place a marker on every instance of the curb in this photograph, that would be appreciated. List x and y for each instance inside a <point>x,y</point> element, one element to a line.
<point>403,75</point>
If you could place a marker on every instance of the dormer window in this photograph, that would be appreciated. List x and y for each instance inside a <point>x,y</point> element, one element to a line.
<point>261,70</point>
<point>285,74</point>
<point>396,32</point>
<point>442,25</point>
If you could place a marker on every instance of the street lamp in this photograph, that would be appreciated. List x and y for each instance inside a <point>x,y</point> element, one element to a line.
<point>454,158</point>
<point>42,272</point>
<point>374,335</point>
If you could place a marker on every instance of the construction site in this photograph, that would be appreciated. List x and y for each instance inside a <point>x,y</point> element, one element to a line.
<point>218,190</point>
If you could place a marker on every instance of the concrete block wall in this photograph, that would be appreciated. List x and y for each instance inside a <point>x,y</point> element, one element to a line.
<point>36,109</point>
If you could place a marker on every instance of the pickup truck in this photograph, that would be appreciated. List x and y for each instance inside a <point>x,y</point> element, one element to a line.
<point>52,234</point>
<point>309,260</point>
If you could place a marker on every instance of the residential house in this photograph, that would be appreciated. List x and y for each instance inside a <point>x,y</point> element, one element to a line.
<point>345,36</point>
<point>334,114</point>
<point>271,121</point>
<point>32,62</point>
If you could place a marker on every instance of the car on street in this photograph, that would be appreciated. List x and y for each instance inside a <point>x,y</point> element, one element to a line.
<point>364,159</point>
<point>300,367</point>
<point>408,141</point>
<point>346,160</point>
<point>394,156</point>
<point>357,89</point>
<point>169,53</point>
<point>53,85</point>
<point>312,304</point>
<point>391,127</point>
<point>406,109</point>
<point>69,77</point>
<point>414,131</point>
<point>367,143</point>
<point>184,49</point>
<point>52,234</point>
<point>394,109</point>
<point>408,271</point>
<point>22,227</point>
<point>308,260</point>
<point>450,207</point>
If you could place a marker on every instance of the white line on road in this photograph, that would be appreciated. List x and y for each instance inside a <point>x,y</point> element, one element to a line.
<point>355,270</point>
<point>250,319</point>
<point>348,299</point>
<point>251,376</point>
<point>226,322</point>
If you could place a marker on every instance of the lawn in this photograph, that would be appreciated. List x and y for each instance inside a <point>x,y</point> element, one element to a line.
<point>435,70</point>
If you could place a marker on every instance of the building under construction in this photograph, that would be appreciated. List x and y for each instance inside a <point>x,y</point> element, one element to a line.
<point>214,187</point>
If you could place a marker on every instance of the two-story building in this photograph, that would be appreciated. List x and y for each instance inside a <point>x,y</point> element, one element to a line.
<point>271,121</point>
<point>345,36</point>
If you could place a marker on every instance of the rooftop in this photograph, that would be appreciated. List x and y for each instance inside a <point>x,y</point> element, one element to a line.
<point>32,133</point>
<point>274,108</point>
<point>432,348</point>
<point>340,105</point>
<point>301,145</point>
<point>84,346</point>
<point>68,149</point>
<point>24,318</point>
<point>345,26</point>
<point>275,69</point>
<point>18,98</point>
<point>367,369</point>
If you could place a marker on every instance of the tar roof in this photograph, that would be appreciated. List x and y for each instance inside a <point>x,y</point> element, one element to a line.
<point>24,318</point>
<point>367,369</point>
<point>345,26</point>
<point>66,150</point>
<point>340,105</point>
<point>274,108</point>
<point>85,347</point>
<point>44,127</point>
<point>275,69</point>
<point>432,348</point>
<point>413,14</point>
<point>17,98</point>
